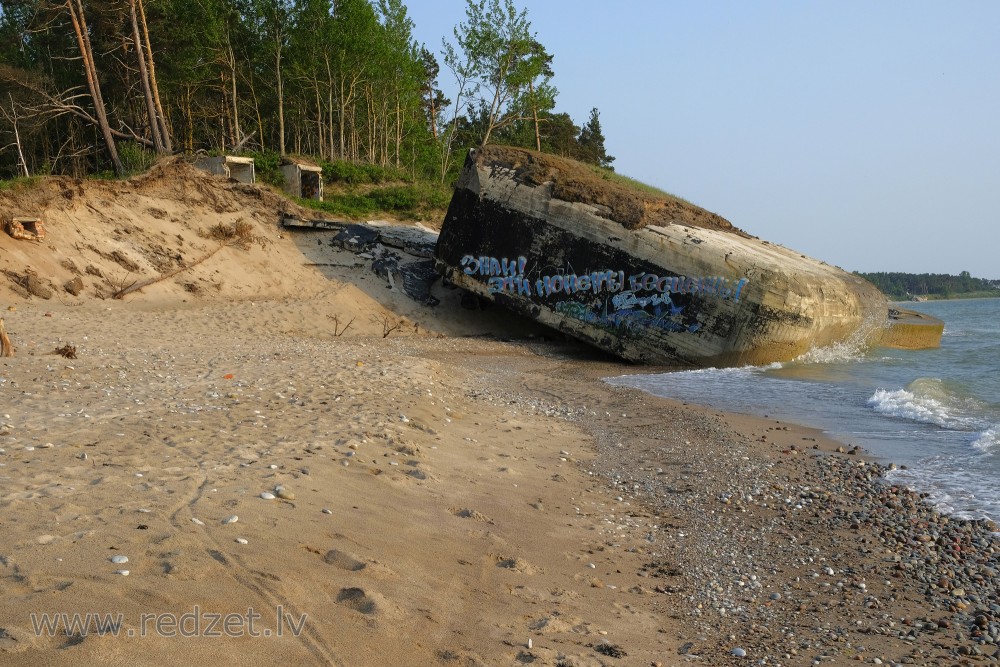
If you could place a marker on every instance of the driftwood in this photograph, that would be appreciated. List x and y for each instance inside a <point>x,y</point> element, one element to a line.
<point>6,347</point>
<point>125,291</point>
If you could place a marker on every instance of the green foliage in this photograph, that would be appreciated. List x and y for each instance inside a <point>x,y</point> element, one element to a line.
<point>355,173</point>
<point>267,167</point>
<point>903,286</point>
<point>347,76</point>
<point>503,69</point>
<point>591,143</point>
<point>135,158</point>
<point>18,182</point>
<point>419,201</point>
<point>630,182</point>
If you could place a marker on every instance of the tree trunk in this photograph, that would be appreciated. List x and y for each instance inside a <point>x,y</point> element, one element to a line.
<point>224,115</point>
<point>281,96</point>
<point>160,116</point>
<point>83,40</point>
<point>256,108</point>
<point>17,135</point>
<point>434,127</point>
<point>147,93</point>
<point>534,115</point>
<point>320,132</point>
<point>231,61</point>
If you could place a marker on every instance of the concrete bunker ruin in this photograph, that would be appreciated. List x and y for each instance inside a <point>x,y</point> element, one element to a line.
<point>229,166</point>
<point>647,277</point>
<point>303,180</point>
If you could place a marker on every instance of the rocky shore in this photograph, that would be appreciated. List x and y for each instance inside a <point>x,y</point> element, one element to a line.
<point>780,553</point>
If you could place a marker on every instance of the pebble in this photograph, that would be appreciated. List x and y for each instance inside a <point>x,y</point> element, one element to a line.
<point>272,467</point>
<point>241,540</point>
<point>197,522</point>
<point>326,511</point>
<point>230,519</point>
<point>284,493</point>
<point>267,495</point>
<point>119,559</point>
<point>738,652</point>
<point>124,573</point>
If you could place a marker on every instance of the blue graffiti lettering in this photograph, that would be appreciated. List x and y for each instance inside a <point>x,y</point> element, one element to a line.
<point>506,275</point>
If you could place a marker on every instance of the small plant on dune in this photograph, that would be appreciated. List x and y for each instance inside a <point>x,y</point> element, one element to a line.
<point>120,285</point>
<point>237,235</point>
<point>389,324</point>
<point>337,330</point>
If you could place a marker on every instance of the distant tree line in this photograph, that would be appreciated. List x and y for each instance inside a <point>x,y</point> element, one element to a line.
<point>103,85</point>
<point>936,285</point>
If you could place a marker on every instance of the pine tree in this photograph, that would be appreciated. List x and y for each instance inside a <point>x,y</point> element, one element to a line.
<point>591,141</point>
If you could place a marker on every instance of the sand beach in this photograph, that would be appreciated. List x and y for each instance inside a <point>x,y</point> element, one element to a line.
<point>430,486</point>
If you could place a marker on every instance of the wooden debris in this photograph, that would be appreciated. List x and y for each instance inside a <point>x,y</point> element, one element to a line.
<point>6,347</point>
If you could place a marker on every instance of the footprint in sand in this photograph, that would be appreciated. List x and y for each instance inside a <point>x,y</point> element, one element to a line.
<point>358,600</point>
<point>344,561</point>
<point>518,565</point>
<point>465,513</point>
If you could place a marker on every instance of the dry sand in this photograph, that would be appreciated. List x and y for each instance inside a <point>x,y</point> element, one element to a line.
<point>443,497</point>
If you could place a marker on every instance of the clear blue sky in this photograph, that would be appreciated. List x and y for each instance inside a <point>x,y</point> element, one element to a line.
<point>866,134</point>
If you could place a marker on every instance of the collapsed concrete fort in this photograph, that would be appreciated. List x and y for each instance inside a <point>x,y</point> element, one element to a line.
<point>648,277</point>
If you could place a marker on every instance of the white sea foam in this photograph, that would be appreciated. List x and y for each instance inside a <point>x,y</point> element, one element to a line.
<point>834,354</point>
<point>931,401</point>
<point>954,490</point>
<point>908,405</point>
<point>988,440</point>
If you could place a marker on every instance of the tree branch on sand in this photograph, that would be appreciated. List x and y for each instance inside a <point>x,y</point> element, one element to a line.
<point>237,235</point>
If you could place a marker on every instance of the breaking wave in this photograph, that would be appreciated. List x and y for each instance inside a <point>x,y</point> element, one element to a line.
<point>932,401</point>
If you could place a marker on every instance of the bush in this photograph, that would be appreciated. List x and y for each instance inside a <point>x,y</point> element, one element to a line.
<point>18,182</point>
<point>360,173</point>
<point>135,158</point>
<point>267,166</point>
<point>418,201</point>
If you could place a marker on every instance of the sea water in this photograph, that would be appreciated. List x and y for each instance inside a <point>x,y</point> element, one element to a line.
<point>935,413</point>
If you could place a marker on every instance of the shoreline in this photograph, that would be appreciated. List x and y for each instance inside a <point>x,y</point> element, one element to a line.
<point>481,495</point>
